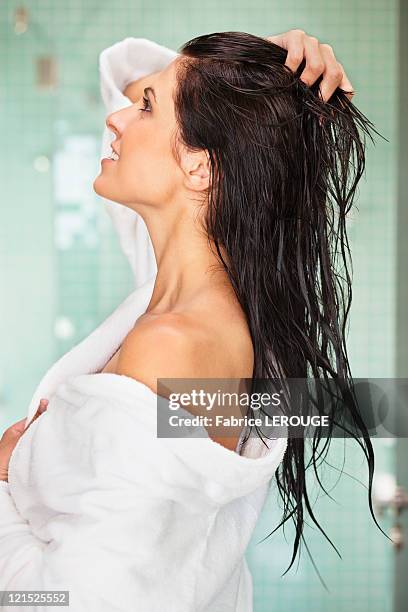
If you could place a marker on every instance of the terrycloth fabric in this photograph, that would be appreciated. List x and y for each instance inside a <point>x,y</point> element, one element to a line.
<point>125,520</point>
<point>98,505</point>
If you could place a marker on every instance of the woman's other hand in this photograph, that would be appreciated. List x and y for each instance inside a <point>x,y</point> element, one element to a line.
<point>10,438</point>
<point>320,59</point>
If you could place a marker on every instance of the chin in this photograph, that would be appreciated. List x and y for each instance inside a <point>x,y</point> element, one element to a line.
<point>104,191</point>
<point>100,189</point>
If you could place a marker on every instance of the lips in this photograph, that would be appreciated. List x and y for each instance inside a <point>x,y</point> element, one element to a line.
<point>114,155</point>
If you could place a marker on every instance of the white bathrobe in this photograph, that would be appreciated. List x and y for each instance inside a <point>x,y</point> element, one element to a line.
<point>96,503</point>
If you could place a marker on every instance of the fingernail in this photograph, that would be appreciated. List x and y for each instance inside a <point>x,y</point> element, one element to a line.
<point>43,405</point>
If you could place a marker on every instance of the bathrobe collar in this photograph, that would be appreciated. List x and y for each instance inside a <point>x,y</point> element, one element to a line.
<point>92,353</point>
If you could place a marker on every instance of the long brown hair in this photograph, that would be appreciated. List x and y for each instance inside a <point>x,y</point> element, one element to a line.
<point>285,168</point>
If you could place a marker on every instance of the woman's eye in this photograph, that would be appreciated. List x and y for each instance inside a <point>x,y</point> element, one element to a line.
<point>146,104</point>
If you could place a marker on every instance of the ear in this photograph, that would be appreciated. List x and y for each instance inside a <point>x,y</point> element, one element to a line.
<point>197,170</point>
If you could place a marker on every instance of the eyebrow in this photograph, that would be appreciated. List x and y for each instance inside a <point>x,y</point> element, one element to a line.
<point>147,89</point>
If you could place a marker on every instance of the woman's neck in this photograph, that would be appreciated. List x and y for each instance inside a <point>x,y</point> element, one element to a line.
<point>186,265</point>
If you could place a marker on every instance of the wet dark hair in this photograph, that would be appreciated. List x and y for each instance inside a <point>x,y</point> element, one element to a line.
<point>285,167</point>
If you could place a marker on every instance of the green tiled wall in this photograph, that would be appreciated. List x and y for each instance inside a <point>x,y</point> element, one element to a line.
<point>61,271</point>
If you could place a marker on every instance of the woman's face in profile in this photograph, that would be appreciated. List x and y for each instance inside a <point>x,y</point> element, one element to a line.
<point>146,171</point>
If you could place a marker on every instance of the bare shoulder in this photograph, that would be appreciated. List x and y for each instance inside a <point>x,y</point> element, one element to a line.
<point>185,345</point>
<point>165,346</point>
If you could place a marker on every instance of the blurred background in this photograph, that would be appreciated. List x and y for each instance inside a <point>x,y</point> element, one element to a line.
<point>62,271</point>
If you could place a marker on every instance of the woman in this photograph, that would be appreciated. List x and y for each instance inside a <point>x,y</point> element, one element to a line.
<point>230,157</point>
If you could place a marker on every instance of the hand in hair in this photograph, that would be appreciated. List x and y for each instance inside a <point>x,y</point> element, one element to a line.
<point>320,59</point>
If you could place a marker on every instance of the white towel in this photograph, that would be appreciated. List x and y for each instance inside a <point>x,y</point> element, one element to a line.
<point>123,519</point>
<point>98,505</point>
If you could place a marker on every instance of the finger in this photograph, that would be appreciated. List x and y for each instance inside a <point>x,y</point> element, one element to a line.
<point>292,41</point>
<point>346,85</point>
<point>296,49</point>
<point>278,39</point>
<point>314,61</point>
<point>333,73</point>
<point>19,427</point>
<point>14,430</point>
<point>39,412</point>
<point>43,405</point>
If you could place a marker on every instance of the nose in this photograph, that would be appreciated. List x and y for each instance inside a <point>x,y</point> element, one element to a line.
<point>118,120</point>
<point>111,123</point>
